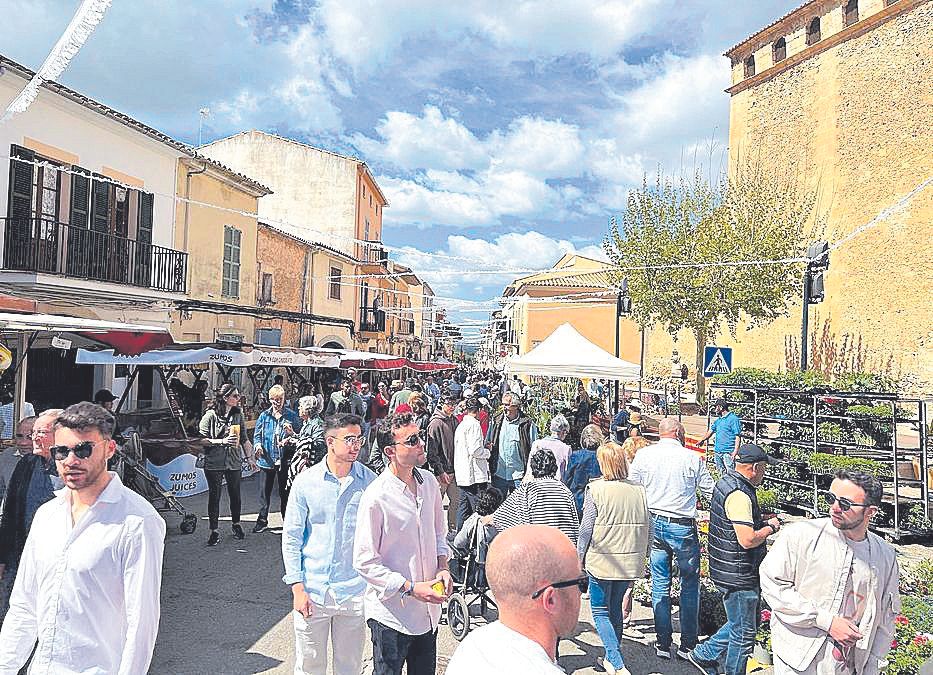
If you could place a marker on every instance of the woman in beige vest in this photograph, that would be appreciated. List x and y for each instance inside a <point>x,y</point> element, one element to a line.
<point>613,543</point>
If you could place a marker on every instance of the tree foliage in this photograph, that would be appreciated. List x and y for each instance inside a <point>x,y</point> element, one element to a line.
<point>687,220</point>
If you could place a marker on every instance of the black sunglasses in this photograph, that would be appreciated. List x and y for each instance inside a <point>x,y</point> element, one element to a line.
<point>412,441</point>
<point>583,583</point>
<point>844,503</point>
<point>82,450</point>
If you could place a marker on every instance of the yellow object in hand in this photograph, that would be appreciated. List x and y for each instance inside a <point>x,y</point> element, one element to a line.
<point>438,587</point>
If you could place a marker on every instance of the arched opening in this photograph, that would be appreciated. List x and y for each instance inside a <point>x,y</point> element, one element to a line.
<point>813,31</point>
<point>850,13</point>
<point>332,345</point>
<point>749,66</point>
<point>779,50</point>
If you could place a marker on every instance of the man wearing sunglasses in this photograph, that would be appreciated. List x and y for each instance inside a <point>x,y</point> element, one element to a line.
<point>833,586</point>
<point>317,547</point>
<point>92,566</point>
<point>535,575</point>
<point>401,551</point>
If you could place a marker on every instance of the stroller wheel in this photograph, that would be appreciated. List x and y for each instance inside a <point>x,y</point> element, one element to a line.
<point>188,524</point>
<point>458,616</point>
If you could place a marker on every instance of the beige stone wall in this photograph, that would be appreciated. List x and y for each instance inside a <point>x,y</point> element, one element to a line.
<point>858,119</point>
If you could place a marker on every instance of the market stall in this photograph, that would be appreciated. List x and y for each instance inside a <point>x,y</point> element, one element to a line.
<point>566,353</point>
<point>167,435</point>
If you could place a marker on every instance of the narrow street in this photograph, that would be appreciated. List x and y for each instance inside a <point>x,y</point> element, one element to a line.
<point>226,610</point>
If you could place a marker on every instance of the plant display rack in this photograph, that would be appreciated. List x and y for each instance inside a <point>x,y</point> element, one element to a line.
<point>818,431</point>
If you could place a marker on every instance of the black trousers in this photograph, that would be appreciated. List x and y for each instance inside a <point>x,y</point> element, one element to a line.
<point>267,482</point>
<point>214,481</point>
<point>391,649</point>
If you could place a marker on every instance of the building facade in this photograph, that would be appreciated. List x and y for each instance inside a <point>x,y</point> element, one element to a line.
<point>221,243</point>
<point>842,90</point>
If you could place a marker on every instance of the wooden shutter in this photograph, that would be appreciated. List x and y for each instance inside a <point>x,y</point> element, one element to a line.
<point>144,225</point>
<point>100,206</point>
<point>21,173</point>
<point>80,200</point>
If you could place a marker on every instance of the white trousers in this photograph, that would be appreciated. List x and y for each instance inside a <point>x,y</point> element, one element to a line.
<point>345,626</point>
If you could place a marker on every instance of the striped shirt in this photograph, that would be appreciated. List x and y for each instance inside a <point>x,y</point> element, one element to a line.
<point>541,501</point>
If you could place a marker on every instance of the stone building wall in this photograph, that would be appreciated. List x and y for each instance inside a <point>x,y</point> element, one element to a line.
<point>857,121</point>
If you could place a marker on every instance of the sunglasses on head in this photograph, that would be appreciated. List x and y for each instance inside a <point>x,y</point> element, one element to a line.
<point>844,503</point>
<point>582,583</point>
<point>412,441</point>
<point>81,450</point>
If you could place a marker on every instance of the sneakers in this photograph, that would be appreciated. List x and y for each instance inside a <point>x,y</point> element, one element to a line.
<point>214,538</point>
<point>662,652</point>
<point>705,666</point>
<point>612,670</point>
<point>238,531</point>
<point>683,653</point>
<point>260,526</point>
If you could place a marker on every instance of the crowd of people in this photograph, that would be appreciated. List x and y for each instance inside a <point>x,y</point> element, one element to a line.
<point>382,485</point>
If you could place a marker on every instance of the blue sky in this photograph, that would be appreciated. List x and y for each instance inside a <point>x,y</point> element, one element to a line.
<point>504,131</point>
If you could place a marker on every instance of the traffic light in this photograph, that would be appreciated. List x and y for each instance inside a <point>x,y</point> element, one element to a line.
<point>818,253</point>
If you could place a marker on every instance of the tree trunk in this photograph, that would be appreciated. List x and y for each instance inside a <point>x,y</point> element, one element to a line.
<point>700,335</point>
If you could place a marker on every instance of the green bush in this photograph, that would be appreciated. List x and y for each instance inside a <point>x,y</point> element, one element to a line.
<point>767,500</point>
<point>855,382</point>
<point>914,518</point>
<point>917,580</point>
<point>880,410</point>
<point>825,463</point>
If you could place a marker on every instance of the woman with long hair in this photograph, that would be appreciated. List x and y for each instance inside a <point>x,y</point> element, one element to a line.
<point>613,544</point>
<point>226,446</point>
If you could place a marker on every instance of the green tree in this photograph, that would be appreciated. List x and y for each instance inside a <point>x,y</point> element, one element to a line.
<point>683,244</point>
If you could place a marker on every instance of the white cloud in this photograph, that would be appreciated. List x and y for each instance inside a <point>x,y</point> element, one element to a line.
<point>430,141</point>
<point>366,33</point>
<point>510,252</point>
<point>538,146</point>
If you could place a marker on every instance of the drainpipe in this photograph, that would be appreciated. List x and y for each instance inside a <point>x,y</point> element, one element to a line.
<point>304,296</point>
<point>188,175</point>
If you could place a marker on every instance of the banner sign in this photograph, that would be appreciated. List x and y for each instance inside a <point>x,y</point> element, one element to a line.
<point>182,477</point>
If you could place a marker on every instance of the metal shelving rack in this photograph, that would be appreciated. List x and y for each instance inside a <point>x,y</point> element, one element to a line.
<point>892,454</point>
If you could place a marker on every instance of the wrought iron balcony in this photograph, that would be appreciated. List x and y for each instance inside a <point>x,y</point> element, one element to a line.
<point>406,327</point>
<point>372,320</point>
<point>374,253</point>
<point>41,245</point>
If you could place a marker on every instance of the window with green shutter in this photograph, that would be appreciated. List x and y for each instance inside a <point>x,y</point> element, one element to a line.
<point>231,268</point>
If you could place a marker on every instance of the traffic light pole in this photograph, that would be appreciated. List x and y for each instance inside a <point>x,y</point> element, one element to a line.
<point>618,316</point>
<point>805,318</point>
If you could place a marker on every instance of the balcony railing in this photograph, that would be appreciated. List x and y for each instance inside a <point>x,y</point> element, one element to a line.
<point>406,327</point>
<point>372,320</point>
<point>374,253</point>
<point>41,245</point>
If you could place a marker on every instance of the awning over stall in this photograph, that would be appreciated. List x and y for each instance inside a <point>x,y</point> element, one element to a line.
<point>122,338</point>
<point>226,355</point>
<point>566,353</point>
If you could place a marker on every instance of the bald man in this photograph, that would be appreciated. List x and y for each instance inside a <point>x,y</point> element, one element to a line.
<point>672,477</point>
<point>535,575</point>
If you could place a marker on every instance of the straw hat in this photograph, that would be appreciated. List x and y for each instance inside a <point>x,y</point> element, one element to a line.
<point>635,419</point>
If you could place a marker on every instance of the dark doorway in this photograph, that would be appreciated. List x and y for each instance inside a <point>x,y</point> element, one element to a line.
<point>53,380</point>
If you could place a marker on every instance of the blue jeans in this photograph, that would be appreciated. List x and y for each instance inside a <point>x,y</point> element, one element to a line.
<point>723,462</point>
<point>674,541</point>
<point>606,603</point>
<point>732,644</point>
<point>506,485</point>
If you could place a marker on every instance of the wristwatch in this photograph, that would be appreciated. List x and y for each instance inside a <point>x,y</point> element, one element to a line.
<point>773,528</point>
<point>410,590</point>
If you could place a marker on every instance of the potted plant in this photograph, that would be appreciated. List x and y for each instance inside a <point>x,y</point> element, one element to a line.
<point>762,649</point>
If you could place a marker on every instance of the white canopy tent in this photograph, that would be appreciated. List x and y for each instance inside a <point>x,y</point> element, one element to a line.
<point>566,353</point>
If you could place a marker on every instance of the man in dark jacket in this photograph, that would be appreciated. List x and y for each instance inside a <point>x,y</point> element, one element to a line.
<point>737,545</point>
<point>510,437</point>
<point>31,485</point>
<point>440,449</point>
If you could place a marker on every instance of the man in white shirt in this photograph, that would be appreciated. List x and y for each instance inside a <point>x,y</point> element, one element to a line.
<point>833,586</point>
<point>471,461</point>
<point>672,476</point>
<point>401,551</point>
<point>89,579</point>
<point>535,576</point>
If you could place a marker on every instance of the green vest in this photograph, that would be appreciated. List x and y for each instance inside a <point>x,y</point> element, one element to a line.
<point>622,531</point>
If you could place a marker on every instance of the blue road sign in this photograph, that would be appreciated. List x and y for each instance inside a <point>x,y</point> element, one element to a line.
<point>717,361</point>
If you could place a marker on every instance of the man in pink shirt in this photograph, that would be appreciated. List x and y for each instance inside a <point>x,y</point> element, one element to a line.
<point>401,551</point>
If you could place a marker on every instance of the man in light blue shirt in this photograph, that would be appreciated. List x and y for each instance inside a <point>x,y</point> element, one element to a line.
<point>317,548</point>
<point>728,429</point>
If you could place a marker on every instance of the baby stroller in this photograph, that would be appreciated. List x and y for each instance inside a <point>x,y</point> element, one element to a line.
<point>468,570</point>
<point>137,478</point>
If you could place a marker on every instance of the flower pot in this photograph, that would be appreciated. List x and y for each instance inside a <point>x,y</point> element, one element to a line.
<point>761,655</point>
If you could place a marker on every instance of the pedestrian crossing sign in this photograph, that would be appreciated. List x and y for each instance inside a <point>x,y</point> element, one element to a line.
<point>717,361</point>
